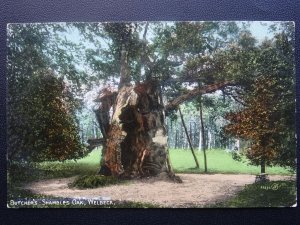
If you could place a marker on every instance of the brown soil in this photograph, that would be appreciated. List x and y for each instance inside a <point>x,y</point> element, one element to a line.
<point>196,189</point>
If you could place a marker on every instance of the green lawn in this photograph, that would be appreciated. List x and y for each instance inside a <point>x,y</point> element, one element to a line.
<point>182,161</point>
<point>218,161</point>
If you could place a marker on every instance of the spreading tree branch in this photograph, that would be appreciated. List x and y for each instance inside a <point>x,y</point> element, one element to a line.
<point>173,104</point>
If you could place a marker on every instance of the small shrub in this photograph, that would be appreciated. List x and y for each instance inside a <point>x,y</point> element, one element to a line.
<point>236,156</point>
<point>93,181</point>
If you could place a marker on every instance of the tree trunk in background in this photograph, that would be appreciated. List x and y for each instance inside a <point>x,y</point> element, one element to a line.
<point>200,138</point>
<point>94,130</point>
<point>209,142</point>
<point>195,135</point>
<point>170,134</point>
<point>176,138</point>
<point>262,166</point>
<point>203,136</point>
<point>188,138</point>
<point>180,137</point>
<point>191,134</point>
<point>237,144</point>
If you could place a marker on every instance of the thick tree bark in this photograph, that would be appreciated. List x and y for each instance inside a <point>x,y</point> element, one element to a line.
<point>136,144</point>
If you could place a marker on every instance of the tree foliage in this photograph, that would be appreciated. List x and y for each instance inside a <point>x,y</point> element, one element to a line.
<point>46,125</point>
<point>268,118</point>
<point>40,106</point>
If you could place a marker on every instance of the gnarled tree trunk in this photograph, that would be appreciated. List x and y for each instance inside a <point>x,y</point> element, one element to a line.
<point>136,143</point>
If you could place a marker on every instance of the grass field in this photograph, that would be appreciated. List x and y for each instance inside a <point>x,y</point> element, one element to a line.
<point>218,161</point>
<point>182,161</point>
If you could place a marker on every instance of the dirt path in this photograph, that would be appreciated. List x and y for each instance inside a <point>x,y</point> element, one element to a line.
<point>196,189</point>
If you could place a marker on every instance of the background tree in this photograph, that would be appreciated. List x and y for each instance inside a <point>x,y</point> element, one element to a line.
<point>268,117</point>
<point>255,123</point>
<point>40,106</point>
<point>49,125</point>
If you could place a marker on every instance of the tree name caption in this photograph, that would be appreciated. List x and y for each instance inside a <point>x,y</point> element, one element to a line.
<point>58,202</point>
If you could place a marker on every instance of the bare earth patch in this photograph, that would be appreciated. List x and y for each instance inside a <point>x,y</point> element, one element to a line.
<point>196,189</point>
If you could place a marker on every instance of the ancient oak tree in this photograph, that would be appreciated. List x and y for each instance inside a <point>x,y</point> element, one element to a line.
<point>131,117</point>
<point>136,138</point>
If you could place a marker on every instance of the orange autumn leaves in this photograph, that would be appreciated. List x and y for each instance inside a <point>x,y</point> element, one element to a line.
<point>258,122</point>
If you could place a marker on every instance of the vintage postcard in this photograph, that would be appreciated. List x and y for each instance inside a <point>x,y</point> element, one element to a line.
<point>141,114</point>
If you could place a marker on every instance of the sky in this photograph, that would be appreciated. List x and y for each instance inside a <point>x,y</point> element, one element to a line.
<point>259,29</point>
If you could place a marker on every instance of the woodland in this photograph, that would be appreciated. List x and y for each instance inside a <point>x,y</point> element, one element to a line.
<point>137,90</point>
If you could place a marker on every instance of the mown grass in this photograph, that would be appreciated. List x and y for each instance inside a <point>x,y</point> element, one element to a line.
<point>268,194</point>
<point>218,161</point>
